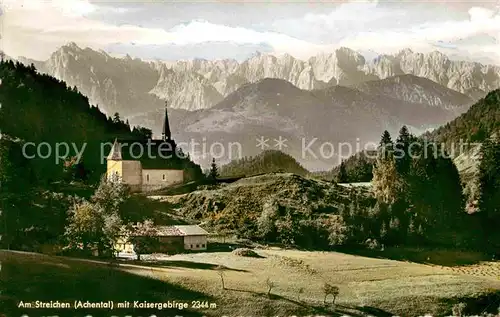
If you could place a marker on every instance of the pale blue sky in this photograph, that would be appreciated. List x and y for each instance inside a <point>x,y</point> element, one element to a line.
<point>214,30</point>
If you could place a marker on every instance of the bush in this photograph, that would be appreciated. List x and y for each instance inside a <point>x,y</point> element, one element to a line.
<point>300,291</point>
<point>330,290</point>
<point>338,231</point>
<point>246,252</point>
<point>266,222</point>
<point>270,285</point>
<point>458,310</point>
<point>372,244</point>
<point>220,271</point>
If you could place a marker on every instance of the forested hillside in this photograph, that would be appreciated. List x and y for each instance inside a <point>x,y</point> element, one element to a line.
<point>476,125</point>
<point>464,138</point>
<point>266,162</point>
<point>40,109</point>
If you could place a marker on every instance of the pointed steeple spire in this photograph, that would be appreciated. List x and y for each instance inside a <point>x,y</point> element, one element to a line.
<point>115,154</point>
<point>166,135</point>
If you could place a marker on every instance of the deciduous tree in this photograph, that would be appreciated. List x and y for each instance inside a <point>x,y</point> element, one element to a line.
<point>143,236</point>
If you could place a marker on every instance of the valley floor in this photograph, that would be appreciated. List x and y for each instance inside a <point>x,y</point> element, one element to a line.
<point>367,285</point>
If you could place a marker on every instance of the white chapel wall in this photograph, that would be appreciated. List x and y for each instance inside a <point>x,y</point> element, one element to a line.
<point>153,179</point>
<point>132,174</point>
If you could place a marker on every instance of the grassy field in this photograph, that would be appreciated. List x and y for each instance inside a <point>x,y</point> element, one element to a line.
<point>378,287</point>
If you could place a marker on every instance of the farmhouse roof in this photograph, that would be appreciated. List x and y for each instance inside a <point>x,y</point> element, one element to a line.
<point>187,230</point>
<point>192,230</point>
<point>168,231</point>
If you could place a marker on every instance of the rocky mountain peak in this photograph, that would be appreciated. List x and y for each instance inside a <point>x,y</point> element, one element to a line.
<point>205,82</point>
<point>349,58</point>
<point>72,46</point>
<point>404,52</point>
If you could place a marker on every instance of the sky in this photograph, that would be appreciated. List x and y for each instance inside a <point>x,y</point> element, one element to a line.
<point>172,30</point>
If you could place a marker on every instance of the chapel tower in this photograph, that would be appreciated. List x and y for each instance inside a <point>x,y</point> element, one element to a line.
<point>166,134</point>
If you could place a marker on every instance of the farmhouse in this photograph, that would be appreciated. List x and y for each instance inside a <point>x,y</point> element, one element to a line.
<point>173,239</point>
<point>144,165</point>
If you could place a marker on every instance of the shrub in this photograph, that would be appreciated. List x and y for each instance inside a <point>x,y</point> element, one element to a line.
<point>246,252</point>
<point>270,285</point>
<point>220,271</point>
<point>330,290</point>
<point>458,310</point>
<point>372,244</point>
<point>266,222</point>
<point>338,231</point>
<point>300,291</point>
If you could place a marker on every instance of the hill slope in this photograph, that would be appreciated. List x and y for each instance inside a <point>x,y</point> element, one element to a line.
<point>480,122</point>
<point>237,207</point>
<point>368,287</point>
<point>463,138</point>
<point>268,161</point>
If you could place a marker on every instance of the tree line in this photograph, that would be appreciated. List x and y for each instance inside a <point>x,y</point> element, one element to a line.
<point>418,192</point>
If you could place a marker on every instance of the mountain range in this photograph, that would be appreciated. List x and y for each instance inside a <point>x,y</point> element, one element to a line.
<point>130,85</point>
<point>330,98</point>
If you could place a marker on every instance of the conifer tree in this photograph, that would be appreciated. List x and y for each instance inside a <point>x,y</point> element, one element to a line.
<point>385,145</point>
<point>214,173</point>
<point>116,118</point>
<point>402,151</point>
<point>404,135</point>
<point>342,176</point>
<point>386,138</point>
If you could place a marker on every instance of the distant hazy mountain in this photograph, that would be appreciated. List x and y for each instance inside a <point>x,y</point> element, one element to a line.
<point>413,89</point>
<point>274,108</point>
<point>114,84</point>
<point>132,86</point>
